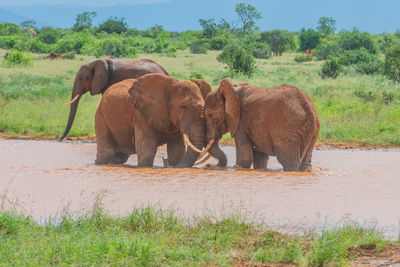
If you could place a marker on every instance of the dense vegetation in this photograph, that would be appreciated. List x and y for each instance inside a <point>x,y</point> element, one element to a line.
<point>151,237</point>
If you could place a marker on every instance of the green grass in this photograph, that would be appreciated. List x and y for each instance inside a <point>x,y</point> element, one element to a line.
<point>153,237</point>
<point>353,108</point>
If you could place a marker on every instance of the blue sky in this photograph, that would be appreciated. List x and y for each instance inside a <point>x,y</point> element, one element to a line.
<point>179,15</point>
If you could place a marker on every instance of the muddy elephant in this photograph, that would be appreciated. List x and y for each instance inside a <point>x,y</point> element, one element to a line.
<point>98,75</point>
<point>277,121</point>
<point>137,116</point>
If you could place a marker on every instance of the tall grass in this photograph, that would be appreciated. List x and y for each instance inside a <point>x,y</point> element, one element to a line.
<point>153,237</point>
<point>352,108</point>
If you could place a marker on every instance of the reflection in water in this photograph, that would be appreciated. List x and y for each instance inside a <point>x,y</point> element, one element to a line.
<point>362,185</point>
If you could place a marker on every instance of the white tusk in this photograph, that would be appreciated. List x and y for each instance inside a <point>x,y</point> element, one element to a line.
<point>210,143</point>
<point>189,144</point>
<point>73,100</point>
<point>203,160</point>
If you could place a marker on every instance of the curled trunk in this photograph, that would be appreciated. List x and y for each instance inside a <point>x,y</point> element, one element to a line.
<point>191,156</point>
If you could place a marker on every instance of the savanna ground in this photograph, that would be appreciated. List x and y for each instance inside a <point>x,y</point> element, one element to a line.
<point>353,108</point>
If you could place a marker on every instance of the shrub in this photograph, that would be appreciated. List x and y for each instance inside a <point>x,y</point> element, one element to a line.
<point>69,55</point>
<point>392,63</point>
<point>365,96</point>
<point>261,50</point>
<point>356,40</point>
<point>17,57</point>
<point>331,68</point>
<point>372,66</point>
<point>303,58</point>
<point>113,24</point>
<point>309,39</point>
<point>279,41</point>
<point>220,41</point>
<point>196,75</point>
<point>198,47</point>
<point>116,48</point>
<point>357,56</point>
<point>327,48</point>
<point>238,59</point>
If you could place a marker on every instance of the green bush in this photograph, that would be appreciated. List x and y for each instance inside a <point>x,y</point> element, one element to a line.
<point>357,56</point>
<point>392,63</point>
<point>17,57</point>
<point>331,68</point>
<point>373,66</point>
<point>198,47</point>
<point>116,48</point>
<point>261,50</point>
<point>303,58</point>
<point>278,40</point>
<point>309,39</point>
<point>69,55</point>
<point>327,48</point>
<point>356,40</point>
<point>238,59</point>
<point>196,75</point>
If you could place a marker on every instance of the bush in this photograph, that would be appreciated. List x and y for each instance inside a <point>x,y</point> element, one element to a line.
<point>356,40</point>
<point>238,59</point>
<point>17,57</point>
<point>303,58</point>
<point>116,48</point>
<point>392,63</point>
<point>357,56</point>
<point>279,41</point>
<point>219,42</point>
<point>331,68</point>
<point>327,48</point>
<point>196,75</point>
<point>309,39</point>
<point>372,66</point>
<point>261,50</point>
<point>69,55</point>
<point>198,47</point>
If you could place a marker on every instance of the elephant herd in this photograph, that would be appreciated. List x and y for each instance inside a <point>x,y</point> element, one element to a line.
<point>143,107</point>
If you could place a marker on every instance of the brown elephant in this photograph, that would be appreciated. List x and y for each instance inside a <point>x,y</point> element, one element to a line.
<point>277,121</point>
<point>98,75</point>
<point>137,116</point>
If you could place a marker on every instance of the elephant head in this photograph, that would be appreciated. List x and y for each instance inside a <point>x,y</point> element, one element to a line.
<point>172,106</point>
<point>92,77</point>
<point>214,150</point>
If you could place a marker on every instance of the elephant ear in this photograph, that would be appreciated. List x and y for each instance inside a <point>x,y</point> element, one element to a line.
<point>100,76</point>
<point>232,104</point>
<point>150,96</point>
<point>205,88</point>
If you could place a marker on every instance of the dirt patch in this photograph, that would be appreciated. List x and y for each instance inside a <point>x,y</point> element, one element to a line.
<point>46,137</point>
<point>370,255</point>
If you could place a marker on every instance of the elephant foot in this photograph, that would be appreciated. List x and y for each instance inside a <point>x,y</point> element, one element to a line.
<point>240,168</point>
<point>165,162</point>
<point>306,168</point>
<point>119,159</point>
<point>214,167</point>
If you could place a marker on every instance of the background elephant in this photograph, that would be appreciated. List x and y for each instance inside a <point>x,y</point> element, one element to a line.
<point>98,75</point>
<point>137,116</point>
<point>277,121</point>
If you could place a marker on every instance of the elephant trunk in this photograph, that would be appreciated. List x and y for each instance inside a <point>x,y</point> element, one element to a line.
<point>72,111</point>
<point>197,139</point>
<point>217,152</point>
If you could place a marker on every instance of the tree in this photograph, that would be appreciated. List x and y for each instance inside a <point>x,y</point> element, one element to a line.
<point>278,40</point>
<point>28,24</point>
<point>48,35</point>
<point>84,21</point>
<point>397,33</point>
<point>8,28</point>
<point>309,39</point>
<point>113,24</point>
<point>247,15</point>
<point>209,28</point>
<point>326,26</point>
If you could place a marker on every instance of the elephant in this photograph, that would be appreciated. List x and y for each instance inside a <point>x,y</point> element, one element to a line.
<point>276,121</point>
<point>137,116</point>
<point>98,75</point>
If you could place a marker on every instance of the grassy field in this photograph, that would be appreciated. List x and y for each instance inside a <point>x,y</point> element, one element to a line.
<point>353,108</point>
<point>151,237</point>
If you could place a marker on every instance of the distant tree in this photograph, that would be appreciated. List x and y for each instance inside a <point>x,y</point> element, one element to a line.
<point>48,35</point>
<point>84,21</point>
<point>224,25</point>
<point>154,31</point>
<point>8,28</point>
<point>28,24</point>
<point>247,15</point>
<point>209,28</point>
<point>326,26</point>
<point>278,40</point>
<point>351,40</point>
<point>397,33</point>
<point>114,25</point>
<point>309,39</point>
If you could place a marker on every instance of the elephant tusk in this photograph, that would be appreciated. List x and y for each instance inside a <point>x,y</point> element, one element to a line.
<point>189,144</point>
<point>204,160</point>
<point>73,100</point>
<point>210,143</point>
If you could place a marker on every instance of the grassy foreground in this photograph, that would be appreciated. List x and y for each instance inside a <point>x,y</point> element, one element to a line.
<point>353,108</point>
<point>152,237</point>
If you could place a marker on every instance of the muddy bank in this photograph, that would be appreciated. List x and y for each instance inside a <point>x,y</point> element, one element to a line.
<point>44,177</point>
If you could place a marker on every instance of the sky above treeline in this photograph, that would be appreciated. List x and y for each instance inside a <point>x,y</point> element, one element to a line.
<point>374,16</point>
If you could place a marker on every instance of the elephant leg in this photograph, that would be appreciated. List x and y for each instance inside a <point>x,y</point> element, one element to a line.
<point>289,156</point>
<point>146,149</point>
<point>260,160</point>
<point>176,151</point>
<point>119,158</point>
<point>306,164</point>
<point>244,149</point>
<point>104,140</point>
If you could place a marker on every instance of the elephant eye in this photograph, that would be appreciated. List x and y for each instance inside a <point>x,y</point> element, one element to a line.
<point>209,115</point>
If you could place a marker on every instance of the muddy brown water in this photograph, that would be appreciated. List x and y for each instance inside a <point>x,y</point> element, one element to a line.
<point>44,179</point>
